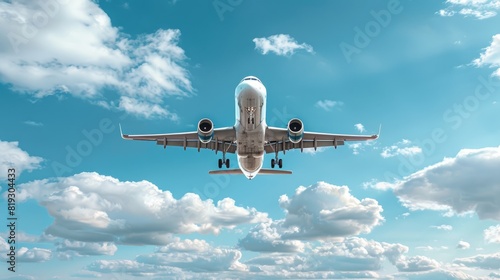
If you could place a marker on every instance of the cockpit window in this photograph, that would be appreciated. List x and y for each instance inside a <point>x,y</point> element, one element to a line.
<point>251,78</point>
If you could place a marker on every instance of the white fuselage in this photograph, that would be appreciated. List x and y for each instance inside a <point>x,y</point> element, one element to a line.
<point>250,125</point>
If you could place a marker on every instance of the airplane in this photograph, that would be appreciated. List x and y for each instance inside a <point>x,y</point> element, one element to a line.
<point>250,138</point>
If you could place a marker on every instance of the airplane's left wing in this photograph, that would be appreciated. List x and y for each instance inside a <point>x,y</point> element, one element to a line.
<point>223,139</point>
<point>278,140</point>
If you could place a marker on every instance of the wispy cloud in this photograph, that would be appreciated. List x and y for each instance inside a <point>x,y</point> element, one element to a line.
<point>360,127</point>
<point>402,148</point>
<point>480,9</point>
<point>443,227</point>
<point>328,105</point>
<point>491,56</point>
<point>280,44</point>
<point>33,123</point>
<point>79,53</point>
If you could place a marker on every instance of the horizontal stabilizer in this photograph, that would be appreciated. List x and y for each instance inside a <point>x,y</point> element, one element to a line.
<point>238,171</point>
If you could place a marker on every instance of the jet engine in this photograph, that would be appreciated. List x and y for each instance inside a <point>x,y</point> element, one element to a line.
<point>295,130</point>
<point>205,130</point>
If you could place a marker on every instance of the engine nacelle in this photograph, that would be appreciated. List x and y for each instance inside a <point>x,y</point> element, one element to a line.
<point>295,130</point>
<point>205,130</point>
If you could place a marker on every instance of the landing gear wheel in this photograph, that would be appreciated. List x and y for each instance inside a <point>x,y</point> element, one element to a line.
<point>280,163</point>
<point>227,163</point>
<point>273,162</point>
<point>220,163</point>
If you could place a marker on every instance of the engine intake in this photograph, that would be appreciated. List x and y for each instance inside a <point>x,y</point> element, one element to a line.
<point>295,130</point>
<point>205,130</point>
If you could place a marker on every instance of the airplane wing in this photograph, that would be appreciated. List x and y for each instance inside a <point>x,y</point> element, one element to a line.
<point>223,139</point>
<point>277,140</point>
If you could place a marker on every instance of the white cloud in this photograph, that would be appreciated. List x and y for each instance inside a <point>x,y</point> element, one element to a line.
<point>33,123</point>
<point>313,152</point>
<point>14,157</point>
<point>90,207</point>
<point>436,274</point>
<point>73,49</point>
<point>327,105</point>
<point>463,245</point>
<point>469,182</point>
<point>480,9</point>
<point>443,227</point>
<point>68,249</point>
<point>176,260</point>
<point>359,146</point>
<point>401,148</point>
<point>492,234</point>
<point>204,259</point>
<point>417,263</point>
<point>33,255</point>
<point>323,211</point>
<point>491,56</point>
<point>280,44</point>
<point>266,237</point>
<point>482,261</point>
<point>360,127</point>
<point>382,186</point>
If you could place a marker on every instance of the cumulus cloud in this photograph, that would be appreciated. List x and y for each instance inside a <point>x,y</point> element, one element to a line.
<point>266,237</point>
<point>482,261</point>
<point>175,260</point>
<point>468,182</point>
<point>328,211</point>
<point>327,105</point>
<point>67,249</point>
<point>480,9</point>
<point>33,255</point>
<point>90,207</point>
<point>280,44</point>
<point>73,49</point>
<point>318,212</point>
<point>15,157</point>
<point>202,259</point>
<point>491,55</point>
<point>402,148</point>
<point>417,263</point>
<point>463,245</point>
<point>436,274</point>
<point>492,234</point>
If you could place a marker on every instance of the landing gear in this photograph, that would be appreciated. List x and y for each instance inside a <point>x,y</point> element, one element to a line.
<point>223,160</point>
<point>276,161</point>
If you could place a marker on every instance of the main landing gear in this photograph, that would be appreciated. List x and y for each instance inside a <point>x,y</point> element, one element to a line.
<point>225,162</point>
<point>276,161</point>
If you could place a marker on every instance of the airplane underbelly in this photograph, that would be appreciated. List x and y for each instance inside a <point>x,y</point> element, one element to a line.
<point>251,163</point>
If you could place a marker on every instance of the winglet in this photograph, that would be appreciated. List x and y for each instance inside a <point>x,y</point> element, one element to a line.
<point>121,132</point>
<point>379,130</point>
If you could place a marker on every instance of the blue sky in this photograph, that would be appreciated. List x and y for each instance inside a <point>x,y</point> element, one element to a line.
<point>421,202</point>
